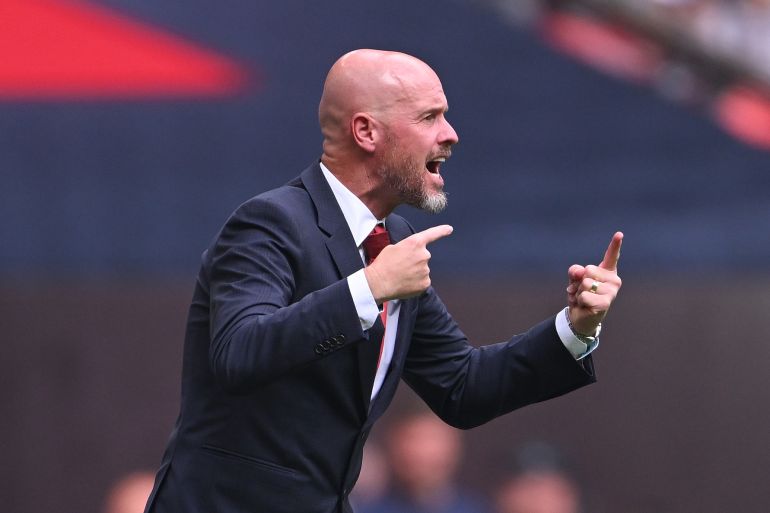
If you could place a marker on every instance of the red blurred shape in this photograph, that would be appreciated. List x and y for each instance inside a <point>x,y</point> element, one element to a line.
<point>65,49</point>
<point>744,112</point>
<point>607,47</point>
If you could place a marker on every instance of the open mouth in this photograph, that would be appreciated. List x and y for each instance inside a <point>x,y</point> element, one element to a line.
<point>434,165</point>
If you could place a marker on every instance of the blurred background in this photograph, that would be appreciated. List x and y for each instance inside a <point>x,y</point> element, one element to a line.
<point>130,129</point>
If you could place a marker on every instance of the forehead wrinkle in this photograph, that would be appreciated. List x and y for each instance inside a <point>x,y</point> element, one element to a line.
<point>416,97</point>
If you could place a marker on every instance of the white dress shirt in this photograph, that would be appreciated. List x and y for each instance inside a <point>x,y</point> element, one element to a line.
<point>361,222</point>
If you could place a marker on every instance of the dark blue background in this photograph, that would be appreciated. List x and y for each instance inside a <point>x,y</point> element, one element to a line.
<point>553,156</point>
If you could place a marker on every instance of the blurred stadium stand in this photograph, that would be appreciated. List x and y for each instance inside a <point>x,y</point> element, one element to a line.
<point>108,199</point>
<point>140,185</point>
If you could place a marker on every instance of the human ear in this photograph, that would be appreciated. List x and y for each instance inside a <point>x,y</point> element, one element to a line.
<point>363,128</point>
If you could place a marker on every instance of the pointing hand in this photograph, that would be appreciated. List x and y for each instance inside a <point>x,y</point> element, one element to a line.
<point>592,289</point>
<point>401,270</point>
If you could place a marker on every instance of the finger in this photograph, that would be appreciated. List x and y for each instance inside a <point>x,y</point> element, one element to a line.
<point>597,273</point>
<point>425,237</point>
<point>594,302</point>
<point>590,285</point>
<point>612,255</point>
<point>576,272</point>
<point>603,287</point>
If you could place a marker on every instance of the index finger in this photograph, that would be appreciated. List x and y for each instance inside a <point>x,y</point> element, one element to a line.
<point>612,255</point>
<point>433,234</point>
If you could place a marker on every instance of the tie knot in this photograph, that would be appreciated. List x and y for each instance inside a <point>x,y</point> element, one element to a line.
<point>375,242</point>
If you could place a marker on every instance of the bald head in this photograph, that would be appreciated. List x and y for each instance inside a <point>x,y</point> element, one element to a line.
<point>385,133</point>
<point>369,81</point>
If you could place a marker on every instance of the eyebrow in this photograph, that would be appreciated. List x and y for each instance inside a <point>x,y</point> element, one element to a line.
<point>435,110</point>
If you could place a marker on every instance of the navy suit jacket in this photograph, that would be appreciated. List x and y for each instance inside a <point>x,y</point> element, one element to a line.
<point>277,371</point>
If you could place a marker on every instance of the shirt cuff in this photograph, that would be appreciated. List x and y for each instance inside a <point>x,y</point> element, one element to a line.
<point>574,345</point>
<point>366,306</point>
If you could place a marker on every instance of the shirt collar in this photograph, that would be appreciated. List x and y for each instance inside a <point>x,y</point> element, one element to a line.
<point>360,219</point>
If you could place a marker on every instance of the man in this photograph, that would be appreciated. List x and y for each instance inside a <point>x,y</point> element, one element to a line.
<point>294,347</point>
<point>539,482</point>
<point>424,455</point>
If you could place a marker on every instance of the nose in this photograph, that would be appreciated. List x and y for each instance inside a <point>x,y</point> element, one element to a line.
<point>448,136</point>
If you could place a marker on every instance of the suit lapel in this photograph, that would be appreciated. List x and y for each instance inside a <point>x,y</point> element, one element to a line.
<point>340,243</point>
<point>405,324</point>
<point>344,253</point>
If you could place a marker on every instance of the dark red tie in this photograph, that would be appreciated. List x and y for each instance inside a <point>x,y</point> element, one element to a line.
<point>373,244</point>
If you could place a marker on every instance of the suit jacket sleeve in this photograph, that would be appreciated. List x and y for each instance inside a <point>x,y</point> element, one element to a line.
<point>262,324</point>
<point>468,386</point>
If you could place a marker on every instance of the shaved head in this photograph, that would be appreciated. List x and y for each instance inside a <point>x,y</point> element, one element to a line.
<point>372,81</point>
<point>385,134</point>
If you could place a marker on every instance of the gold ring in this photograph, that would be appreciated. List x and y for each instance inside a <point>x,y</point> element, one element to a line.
<point>594,287</point>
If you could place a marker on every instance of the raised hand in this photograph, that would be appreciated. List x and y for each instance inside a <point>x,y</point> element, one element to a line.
<point>401,270</point>
<point>592,289</point>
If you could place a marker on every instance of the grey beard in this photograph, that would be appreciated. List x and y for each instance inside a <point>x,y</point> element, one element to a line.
<point>434,203</point>
<point>405,176</point>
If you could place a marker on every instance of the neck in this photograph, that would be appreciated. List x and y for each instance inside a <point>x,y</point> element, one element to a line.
<point>363,182</point>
